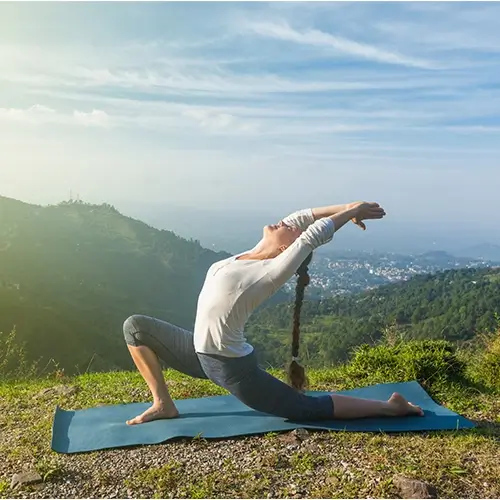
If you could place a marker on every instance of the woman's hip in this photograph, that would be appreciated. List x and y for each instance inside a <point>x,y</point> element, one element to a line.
<point>261,391</point>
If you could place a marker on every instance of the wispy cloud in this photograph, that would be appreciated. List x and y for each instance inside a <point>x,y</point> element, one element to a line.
<point>217,82</point>
<point>280,115</point>
<point>322,86</point>
<point>42,115</point>
<point>94,118</point>
<point>216,120</point>
<point>338,44</point>
<point>34,114</point>
<point>433,38</point>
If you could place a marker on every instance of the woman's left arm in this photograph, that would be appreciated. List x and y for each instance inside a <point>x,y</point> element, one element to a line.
<point>333,210</point>
<point>302,219</point>
<point>328,211</point>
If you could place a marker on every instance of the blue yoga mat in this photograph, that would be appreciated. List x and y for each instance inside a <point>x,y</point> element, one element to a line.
<point>225,416</point>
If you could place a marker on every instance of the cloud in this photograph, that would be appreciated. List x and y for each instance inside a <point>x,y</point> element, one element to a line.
<point>316,38</point>
<point>39,114</point>
<point>96,118</point>
<point>182,81</point>
<point>383,91</point>
<point>441,103</point>
<point>479,129</point>
<point>315,89</point>
<point>210,119</point>
<point>434,38</point>
<point>35,114</point>
<point>283,119</point>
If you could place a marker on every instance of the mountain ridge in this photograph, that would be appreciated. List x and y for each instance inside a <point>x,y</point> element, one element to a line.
<point>62,263</point>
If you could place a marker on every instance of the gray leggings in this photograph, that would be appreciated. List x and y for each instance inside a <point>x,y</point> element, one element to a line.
<point>242,376</point>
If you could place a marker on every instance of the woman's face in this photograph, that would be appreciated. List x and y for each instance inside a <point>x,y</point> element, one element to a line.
<point>280,234</point>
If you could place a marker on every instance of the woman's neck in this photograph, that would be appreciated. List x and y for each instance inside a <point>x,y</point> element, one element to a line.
<point>259,255</point>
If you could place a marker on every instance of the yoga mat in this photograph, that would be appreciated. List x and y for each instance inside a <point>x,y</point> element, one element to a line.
<point>225,416</point>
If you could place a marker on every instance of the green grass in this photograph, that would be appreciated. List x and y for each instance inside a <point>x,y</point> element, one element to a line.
<point>4,486</point>
<point>326,464</point>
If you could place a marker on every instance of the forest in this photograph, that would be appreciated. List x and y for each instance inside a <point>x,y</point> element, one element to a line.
<point>70,274</point>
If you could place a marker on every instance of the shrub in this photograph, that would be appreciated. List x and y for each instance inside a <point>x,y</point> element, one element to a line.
<point>484,367</point>
<point>422,360</point>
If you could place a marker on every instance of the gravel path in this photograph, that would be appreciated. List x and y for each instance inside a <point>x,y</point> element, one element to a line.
<point>291,465</point>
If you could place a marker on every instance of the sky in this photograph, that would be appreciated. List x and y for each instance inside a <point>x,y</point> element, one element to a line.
<point>256,107</point>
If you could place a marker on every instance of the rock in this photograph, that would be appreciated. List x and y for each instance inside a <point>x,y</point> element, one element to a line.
<point>301,434</point>
<point>289,439</point>
<point>413,488</point>
<point>25,478</point>
<point>295,437</point>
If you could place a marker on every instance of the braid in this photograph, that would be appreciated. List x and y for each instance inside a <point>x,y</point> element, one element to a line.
<point>296,374</point>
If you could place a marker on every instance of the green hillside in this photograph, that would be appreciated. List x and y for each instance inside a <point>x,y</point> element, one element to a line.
<point>454,305</point>
<point>70,275</point>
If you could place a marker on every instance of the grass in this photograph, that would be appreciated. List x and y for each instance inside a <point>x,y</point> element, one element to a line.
<point>461,464</point>
<point>4,486</point>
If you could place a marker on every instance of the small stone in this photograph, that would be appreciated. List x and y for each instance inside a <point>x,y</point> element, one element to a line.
<point>301,434</point>
<point>289,439</point>
<point>295,437</point>
<point>25,478</point>
<point>413,488</point>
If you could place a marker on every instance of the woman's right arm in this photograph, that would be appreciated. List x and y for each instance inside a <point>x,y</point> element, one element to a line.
<point>341,218</point>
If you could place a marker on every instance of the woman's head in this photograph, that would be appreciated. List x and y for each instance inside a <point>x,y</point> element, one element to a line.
<point>279,236</point>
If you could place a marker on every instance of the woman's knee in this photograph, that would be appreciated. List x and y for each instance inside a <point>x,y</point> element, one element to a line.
<point>133,329</point>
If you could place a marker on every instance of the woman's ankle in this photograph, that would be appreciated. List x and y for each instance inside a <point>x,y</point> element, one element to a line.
<point>163,400</point>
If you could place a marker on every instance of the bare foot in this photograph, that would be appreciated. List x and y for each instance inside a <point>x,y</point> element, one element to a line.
<point>155,412</point>
<point>400,407</point>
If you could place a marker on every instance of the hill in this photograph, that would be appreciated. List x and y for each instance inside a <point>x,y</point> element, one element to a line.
<point>454,305</point>
<point>70,274</point>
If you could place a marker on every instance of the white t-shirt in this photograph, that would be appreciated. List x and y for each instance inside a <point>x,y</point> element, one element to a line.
<point>234,288</point>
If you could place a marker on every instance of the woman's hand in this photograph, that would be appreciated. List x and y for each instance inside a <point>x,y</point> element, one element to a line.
<point>365,211</point>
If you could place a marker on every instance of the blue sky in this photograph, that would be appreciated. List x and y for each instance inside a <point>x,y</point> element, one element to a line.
<point>255,106</point>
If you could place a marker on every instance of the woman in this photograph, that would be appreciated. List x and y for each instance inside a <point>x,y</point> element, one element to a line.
<point>218,350</point>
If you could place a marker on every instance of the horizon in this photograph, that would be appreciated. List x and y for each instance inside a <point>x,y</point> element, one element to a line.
<point>234,233</point>
<point>393,102</point>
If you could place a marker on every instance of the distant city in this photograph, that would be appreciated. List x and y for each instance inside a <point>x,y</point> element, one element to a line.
<point>343,273</point>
